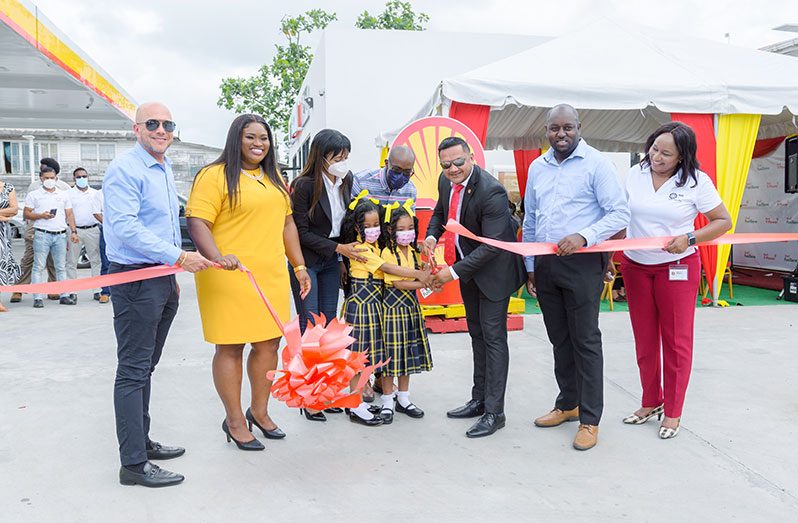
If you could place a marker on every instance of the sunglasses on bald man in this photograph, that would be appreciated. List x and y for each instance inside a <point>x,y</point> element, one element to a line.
<point>153,124</point>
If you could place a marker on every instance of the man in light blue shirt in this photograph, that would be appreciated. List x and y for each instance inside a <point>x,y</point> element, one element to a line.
<point>142,229</point>
<point>573,198</point>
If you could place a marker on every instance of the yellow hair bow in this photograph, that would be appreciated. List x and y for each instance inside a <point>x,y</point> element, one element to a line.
<point>389,207</point>
<point>363,194</point>
<point>408,206</point>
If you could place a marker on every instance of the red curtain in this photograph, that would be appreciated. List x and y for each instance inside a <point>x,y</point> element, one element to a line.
<point>766,146</point>
<point>523,159</point>
<point>704,127</point>
<point>474,116</point>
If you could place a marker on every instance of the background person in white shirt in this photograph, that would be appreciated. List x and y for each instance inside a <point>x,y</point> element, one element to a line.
<point>50,210</point>
<point>666,192</point>
<point>83,198</point>
<point>26,263</point>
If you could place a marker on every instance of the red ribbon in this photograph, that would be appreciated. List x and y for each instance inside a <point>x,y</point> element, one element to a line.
<point>540,248</point>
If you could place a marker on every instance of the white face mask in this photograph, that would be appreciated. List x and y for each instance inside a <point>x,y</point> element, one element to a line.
<point>338,169</point>
<point>49,183</point>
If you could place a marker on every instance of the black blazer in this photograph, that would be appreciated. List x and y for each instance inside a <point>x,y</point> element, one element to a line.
<point>314,231</point>
<point>485,212</point>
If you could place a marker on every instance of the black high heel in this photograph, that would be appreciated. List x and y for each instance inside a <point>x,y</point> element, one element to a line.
<point>319,416</point>
<point>268,434</point>
<point>254,444</point>
<point>334,410</point>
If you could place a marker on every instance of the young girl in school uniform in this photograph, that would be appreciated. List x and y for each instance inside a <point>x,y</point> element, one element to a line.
<point>403,331</point>
<point>364,302</point>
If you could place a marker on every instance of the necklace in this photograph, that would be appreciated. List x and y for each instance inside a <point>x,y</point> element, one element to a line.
<point>256,178</point>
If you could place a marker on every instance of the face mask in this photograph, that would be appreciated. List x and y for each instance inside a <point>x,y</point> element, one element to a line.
<point>396,180</point>
<point>82,183</point>
<point>372,234</point>
<point>49,183</point>
<point>405,237</point>
<point>338,169</point>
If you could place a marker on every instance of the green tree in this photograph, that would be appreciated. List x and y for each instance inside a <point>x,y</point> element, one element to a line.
<point>397,15</point>
<point>271,92</point>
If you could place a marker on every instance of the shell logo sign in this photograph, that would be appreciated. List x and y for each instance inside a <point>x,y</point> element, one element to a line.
<point>423,136</point>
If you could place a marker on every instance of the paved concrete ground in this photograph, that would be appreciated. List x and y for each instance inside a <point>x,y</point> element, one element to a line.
<point>733,461</point>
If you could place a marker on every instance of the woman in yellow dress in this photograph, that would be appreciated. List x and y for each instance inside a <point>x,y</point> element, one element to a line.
<point>239,213</point>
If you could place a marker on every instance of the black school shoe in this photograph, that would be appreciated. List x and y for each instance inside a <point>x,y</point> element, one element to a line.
<point>411,410</point>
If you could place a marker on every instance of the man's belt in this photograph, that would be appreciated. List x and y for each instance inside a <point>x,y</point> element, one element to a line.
<point>88,226</point>
<point>49,232</point>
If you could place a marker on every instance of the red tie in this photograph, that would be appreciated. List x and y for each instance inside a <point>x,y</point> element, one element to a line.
<point>449,253</point>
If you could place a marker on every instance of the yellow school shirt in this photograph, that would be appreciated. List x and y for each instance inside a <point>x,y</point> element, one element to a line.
<point>390,257</point>
<point>371,266</point>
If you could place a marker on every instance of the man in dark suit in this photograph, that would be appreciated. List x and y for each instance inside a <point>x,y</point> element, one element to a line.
<point>488,276</point>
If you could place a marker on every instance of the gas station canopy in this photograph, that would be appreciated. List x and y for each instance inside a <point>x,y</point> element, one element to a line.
<point>47,82</point>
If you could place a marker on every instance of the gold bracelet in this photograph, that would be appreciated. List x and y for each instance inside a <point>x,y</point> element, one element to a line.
<point>182,258</point>
<point>299,268</point>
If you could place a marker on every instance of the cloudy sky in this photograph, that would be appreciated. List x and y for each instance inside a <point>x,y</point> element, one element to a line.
<point>178,51</point>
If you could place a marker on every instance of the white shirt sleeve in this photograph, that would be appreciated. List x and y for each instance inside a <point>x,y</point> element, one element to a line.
<point>30,201</point>
<point>707,197</point>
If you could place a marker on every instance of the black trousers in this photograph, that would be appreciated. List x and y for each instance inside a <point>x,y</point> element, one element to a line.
<point>487,326</point>
<point>143,313</point>
<point>569,292</point>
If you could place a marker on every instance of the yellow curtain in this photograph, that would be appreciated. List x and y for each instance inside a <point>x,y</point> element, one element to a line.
<point>735,145</point>
<point>383,156</point>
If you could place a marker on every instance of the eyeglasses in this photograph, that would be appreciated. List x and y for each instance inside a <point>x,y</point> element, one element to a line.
<point>457,163</point>
<point>152,125</point>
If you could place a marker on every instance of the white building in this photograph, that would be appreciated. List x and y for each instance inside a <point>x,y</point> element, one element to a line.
<point>92,150</point>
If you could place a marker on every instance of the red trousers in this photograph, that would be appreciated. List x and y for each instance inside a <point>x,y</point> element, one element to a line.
<point>663,316</point>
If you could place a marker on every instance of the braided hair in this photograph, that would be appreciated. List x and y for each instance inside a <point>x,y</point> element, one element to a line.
<point>353,228</point>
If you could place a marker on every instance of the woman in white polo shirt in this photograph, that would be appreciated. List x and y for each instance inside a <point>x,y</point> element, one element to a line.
<point>666,192</point>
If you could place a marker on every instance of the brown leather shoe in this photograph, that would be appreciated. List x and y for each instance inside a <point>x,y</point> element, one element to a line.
<point>557,417</point>
<point>53,297</point>
<point>3,308</point>
<point>586,437</point>
<point>16,297</point>
<point>104,298</point>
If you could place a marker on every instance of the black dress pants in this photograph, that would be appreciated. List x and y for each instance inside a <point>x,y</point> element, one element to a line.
<point>487,326</point>
<point>143,313</point>
<point>569,292</point>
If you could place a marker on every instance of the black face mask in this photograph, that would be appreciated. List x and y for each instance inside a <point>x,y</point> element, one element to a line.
<point>396,180</point>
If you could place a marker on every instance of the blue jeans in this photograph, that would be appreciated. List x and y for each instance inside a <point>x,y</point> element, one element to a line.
<point>44,244</point>
<point>325,279</point>
<point>104,263</point>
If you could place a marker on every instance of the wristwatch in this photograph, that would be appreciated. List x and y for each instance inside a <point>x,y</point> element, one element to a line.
<point>690,239</point>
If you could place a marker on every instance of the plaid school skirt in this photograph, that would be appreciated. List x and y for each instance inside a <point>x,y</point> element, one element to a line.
<point>363,311</point>
<point>404,334</point>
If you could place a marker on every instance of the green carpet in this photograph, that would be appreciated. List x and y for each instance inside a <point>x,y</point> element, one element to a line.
<point>743,296</point>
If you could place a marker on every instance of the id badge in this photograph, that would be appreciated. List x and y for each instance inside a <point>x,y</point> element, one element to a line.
<point>677,272</point>
<point>425,292</point>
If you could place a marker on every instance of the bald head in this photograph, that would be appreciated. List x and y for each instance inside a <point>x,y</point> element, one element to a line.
<point>562,110</point>
<point>402,155</point>
<point>146,111</point>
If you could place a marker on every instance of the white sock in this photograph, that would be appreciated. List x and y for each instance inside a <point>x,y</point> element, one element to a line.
<point>387,401</point>
<point>362,411</point>
<point>403,398</point>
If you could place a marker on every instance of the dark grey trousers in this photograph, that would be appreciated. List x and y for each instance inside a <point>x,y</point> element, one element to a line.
<point>487,326</point>
<point>569,292</point>
<point>143,313</point>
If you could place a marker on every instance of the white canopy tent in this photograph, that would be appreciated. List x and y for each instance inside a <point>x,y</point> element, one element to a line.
<point>625,80</point>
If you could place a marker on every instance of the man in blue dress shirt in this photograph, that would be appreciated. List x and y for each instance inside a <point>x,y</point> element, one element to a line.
<point>573,198</point>
<point>142,229</point>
